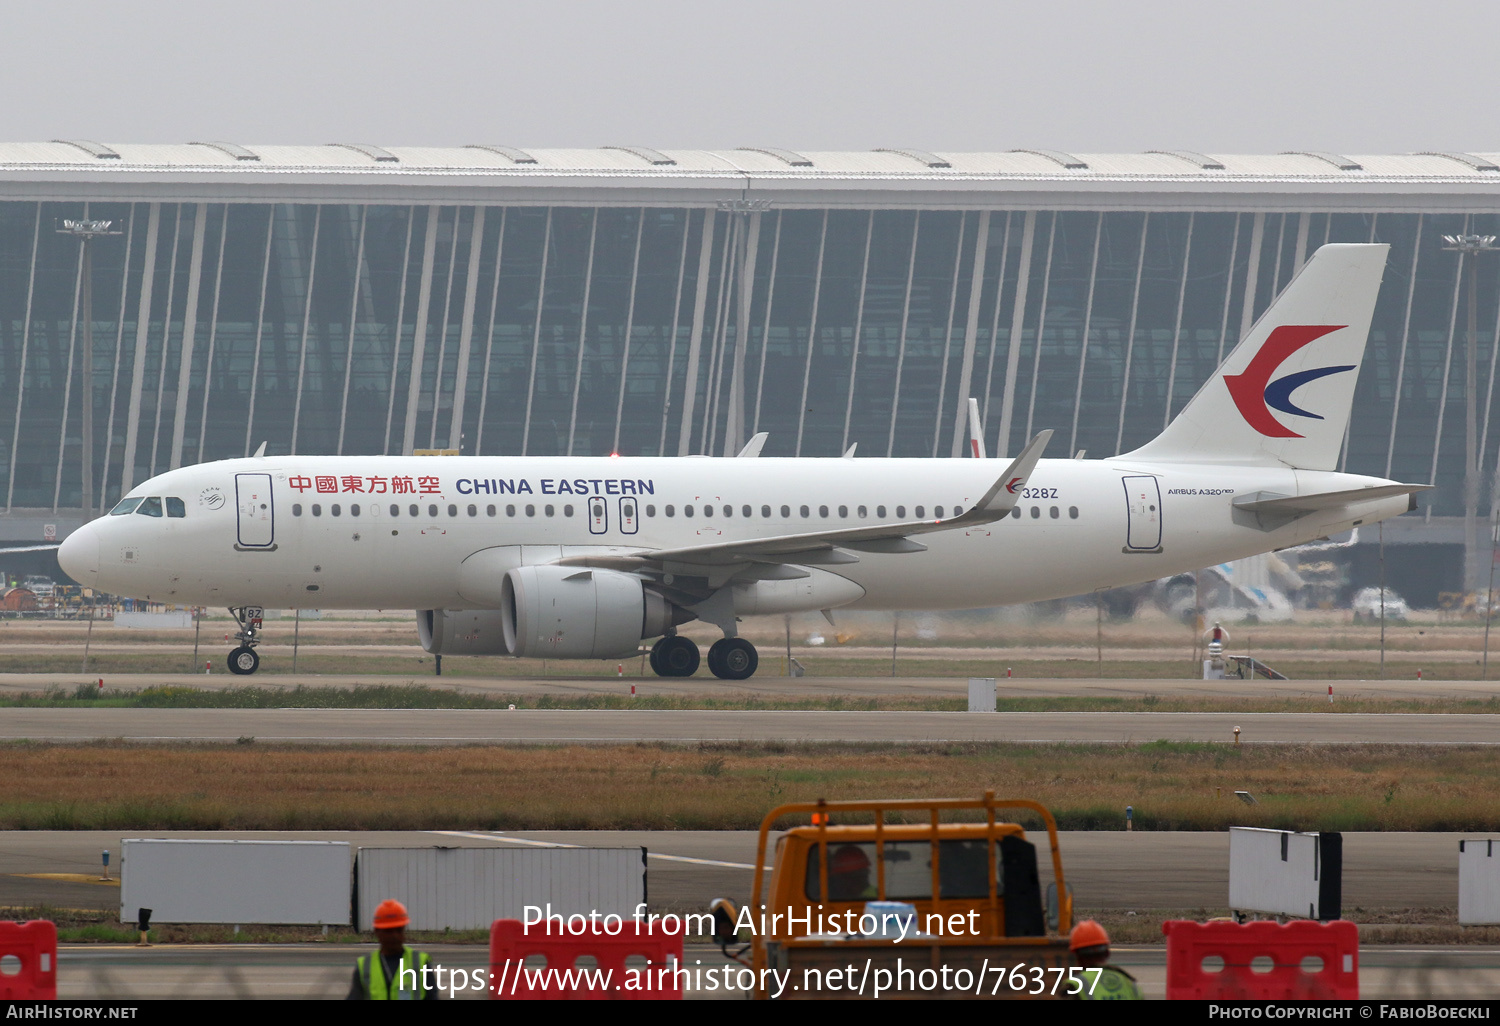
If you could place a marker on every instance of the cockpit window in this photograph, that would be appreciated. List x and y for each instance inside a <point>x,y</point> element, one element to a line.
<point>125,506</point>
<point>150,507</point>
<point>176,507</point>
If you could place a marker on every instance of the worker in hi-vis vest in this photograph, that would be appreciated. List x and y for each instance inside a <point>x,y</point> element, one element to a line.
<point>395,972</point>
<point>1090,946</point>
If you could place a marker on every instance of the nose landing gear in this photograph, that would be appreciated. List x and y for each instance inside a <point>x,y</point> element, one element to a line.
<point>244,660</point>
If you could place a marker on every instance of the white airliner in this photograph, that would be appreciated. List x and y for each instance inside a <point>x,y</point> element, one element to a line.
<point>583,558</point>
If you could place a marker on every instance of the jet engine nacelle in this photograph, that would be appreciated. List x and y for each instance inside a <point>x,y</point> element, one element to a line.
<point>563,612</point>
<point>461,631</point>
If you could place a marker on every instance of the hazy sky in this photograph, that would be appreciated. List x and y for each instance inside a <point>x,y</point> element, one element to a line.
<point>1375,76</point>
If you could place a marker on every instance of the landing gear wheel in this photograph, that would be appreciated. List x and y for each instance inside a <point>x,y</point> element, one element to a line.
<point>243,661</point>
<point>674,656</point>
<point>732,659</point>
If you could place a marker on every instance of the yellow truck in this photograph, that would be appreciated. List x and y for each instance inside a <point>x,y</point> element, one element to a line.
<point>896,902</point>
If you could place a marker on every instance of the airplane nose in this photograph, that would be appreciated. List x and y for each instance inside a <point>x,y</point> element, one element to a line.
<point>79,556</point>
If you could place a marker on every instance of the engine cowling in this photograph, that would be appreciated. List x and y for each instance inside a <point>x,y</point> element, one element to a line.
<point>562,612</point>
<point>461,631</point>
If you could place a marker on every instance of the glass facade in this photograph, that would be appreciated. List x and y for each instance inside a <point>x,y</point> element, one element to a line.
<point>346,328</point>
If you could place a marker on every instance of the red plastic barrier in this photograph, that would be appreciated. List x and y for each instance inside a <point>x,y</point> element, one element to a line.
<point>609,979</point>
<point>1280,949</point>
<point>28,961</point>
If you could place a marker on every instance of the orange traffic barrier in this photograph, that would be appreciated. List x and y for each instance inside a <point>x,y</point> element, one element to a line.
<point>1262,961</point>
<point>28,961</point>
<point>537,966</point>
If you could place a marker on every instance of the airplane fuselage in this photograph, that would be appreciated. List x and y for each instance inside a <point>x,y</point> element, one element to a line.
<point>438,532</point>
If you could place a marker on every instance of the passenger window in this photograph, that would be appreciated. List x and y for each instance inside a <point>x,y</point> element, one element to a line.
<point>1036,512</point>
<point>296,509</point>
<point>510,511</point>
<point>1055,512</point>
<point>1072,512</point>
<point>568,510</point>
<point>687,511</point>
<point>938,512</point>
<point>489,511</point>
<point>900,512</point>
<point>473,510</point>
<point>415,510</point>
<point>150,507</point>
<point>317,510</point>
<point>823,511</point>
<point>176,507</point>
<point>747,511</point>
<point>921,512</point>
<point>728,511</point>
<point>395,510</point>
<point>863,512</point>
<point>786,512</point>
<point>765,511</point>
<point>432,510</point>
<point>354,509</point>
<point>334,509</point>
<point>958,511</point>
<point>843,512</point>
<point>452,510</point>
<point>549,509</point>
<point>530,510</point>
<point>1015,513</point>
<point>880,512</point>
<point>650,511</point>
<point>125,506</point>
<point>805,513</point>
<point>670,510</point>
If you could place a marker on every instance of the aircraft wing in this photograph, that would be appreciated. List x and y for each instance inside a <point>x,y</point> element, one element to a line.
<point>826,546</point>
<point>1260,502</point>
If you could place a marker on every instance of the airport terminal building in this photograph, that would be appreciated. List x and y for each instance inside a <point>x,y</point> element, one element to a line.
<point>350,298</point>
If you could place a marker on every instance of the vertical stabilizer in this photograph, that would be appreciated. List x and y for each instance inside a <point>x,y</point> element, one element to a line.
<point>1283,396</point>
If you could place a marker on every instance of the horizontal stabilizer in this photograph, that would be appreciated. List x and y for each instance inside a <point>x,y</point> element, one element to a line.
<point>1289,505</point>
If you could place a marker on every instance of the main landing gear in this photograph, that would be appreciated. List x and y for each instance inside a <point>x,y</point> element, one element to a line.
<point>728,658</point>
<point>243,660</point>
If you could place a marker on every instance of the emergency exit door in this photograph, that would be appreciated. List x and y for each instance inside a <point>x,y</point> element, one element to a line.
<point>257,515</point>
<point>1143,506</point>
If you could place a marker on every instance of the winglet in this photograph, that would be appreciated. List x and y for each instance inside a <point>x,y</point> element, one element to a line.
<point>260,452</point>
<point>755,445</point>
<point>1003,495</point>
<point>976,431</point>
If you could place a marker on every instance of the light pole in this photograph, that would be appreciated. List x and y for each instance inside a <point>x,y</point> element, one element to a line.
<point>1470,246</point>
<point>85,231</point>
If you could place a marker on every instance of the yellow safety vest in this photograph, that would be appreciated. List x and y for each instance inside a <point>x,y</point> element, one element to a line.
<point>378,988</point>
<point>1114,985</point>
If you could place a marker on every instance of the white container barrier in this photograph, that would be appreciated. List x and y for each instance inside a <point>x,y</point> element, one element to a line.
<point>981,694</point>
<point>283,882</point>
<point>1478,882</point>
<point>469,888</point>
<point>175,619</point>
<point>1286,873</point>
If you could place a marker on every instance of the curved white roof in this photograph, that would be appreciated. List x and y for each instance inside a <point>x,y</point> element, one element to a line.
<point>362,170</point>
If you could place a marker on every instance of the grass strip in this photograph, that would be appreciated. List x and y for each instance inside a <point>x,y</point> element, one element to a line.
<point>422,696</point>
<point>1171,785</point>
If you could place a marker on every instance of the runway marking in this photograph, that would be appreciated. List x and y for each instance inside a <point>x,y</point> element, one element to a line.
<point>506,838</point>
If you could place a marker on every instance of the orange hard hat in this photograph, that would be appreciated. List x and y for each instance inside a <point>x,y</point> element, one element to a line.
<point>390,914</point>
<point>1087,934</point>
